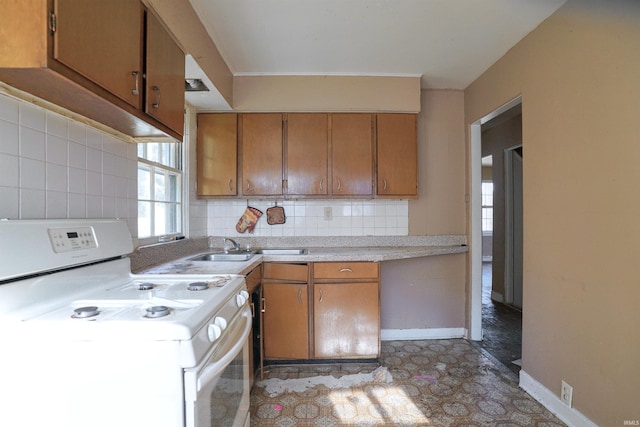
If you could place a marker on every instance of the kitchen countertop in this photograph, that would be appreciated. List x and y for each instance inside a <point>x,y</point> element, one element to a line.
<point>314,254</point>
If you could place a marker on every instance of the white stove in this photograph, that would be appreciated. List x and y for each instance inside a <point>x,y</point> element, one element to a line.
<point>86,338</point>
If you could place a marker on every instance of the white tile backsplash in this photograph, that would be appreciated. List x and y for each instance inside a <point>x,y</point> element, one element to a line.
<point>10,140</point>
<point>55,167</point>
<point>307,218</point>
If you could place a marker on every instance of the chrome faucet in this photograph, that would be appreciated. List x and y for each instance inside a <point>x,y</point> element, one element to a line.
<point>236,246</point>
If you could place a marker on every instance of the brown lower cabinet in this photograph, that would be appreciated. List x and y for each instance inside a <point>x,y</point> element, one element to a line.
<point>285,311</point>
<point>321,311</point>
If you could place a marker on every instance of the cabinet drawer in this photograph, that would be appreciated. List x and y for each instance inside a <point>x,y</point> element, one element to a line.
<point>287,272</point>
<point>345,270</point>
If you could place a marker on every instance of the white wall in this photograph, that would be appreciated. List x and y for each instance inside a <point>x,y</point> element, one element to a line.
<point>55,167</point>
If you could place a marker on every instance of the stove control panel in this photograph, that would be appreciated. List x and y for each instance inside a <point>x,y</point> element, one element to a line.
<point>72,239</point>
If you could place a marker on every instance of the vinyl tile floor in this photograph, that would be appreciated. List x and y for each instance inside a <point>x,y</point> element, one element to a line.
<point>416,383</point>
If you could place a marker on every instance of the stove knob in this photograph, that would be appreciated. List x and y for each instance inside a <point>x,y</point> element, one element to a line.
<point>221,322</point>
<point>245,294</point>
<point>240,300</point>
<point>214,332</point>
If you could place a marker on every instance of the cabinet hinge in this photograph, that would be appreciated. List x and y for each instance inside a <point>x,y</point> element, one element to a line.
<point>53,22</point>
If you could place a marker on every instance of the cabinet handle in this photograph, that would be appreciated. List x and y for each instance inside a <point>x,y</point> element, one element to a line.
<point>321,295</point>
<point>339,185</point>
<point>346,270</point>
<point>229,185</point>
<point>136,74</point>
<point>321,182</point>
<point>253,309</point>
<point>157,103</point>
<point>264,305</point>
<point>384,186</point>
<point>300,296</point>
<point>248,186</point>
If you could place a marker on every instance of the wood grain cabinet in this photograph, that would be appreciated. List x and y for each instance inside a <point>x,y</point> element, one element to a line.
<point>346,310</point>
<point>89,57</point>
<point>164,82</point>
<point>307,154</point>
<point>351,154</point>
<point>261,153</point>
<point>217,154</point>
<point>103,41</point>
<point>397,155</point>
<point>285,311</point>
<point>340,319</point>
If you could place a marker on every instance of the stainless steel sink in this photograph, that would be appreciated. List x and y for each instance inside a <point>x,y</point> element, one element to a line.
<point>224,256</point>
<point>282,251</point>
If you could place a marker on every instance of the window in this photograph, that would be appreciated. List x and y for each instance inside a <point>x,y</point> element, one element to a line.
<point>487,207</point>
<point>159,189</point>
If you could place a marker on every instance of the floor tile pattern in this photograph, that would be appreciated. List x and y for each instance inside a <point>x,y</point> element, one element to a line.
<point>432,383</point>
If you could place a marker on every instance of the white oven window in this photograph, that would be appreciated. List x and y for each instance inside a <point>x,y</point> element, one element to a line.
<point>217,391</point>
<point>225,399</point>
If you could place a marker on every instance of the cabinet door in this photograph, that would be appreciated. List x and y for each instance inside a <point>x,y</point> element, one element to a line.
<point>351,155</point>
<point>165,77</point>
<point>286,321</point>
<point>217,154</point>
<point>261,138</point>
<point>346,320</point>
<point>102,40</point>
<point>307,154</point>
<point>397,173</point>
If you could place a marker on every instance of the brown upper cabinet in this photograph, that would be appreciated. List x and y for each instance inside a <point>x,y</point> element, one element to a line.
<point>352,154</point>
<point>89,57</point>
<point>106,51</point>
<point>312,155</point>
<point>217,154</point>
<point>261,153</point>
<point>307,154</point>
<point>164,77</point>
<point>397,156</point>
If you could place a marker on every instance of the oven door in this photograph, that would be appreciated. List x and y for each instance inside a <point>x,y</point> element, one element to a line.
<point>217,390</point>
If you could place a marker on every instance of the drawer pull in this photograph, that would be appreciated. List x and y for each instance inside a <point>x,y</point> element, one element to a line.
<point>300,296</point>
<point>346,270</point>
<point>264,305</point>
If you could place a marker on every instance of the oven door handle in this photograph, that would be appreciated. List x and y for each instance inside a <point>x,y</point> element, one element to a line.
<point>214,369</point>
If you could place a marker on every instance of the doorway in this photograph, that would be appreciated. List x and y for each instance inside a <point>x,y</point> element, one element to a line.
<point>497,137</point>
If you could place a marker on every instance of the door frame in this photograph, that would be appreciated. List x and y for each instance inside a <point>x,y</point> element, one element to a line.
<point>475,219</point>
<point>508,225</point>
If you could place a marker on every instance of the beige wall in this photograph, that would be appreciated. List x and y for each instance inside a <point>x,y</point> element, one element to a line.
<point>327,93</point>
<point>429,292</point>
<point>423,293</point>
<point>440,208</point>
<point>578,74</point>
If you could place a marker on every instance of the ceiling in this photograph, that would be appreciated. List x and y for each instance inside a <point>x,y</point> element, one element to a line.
<point>448,43</point>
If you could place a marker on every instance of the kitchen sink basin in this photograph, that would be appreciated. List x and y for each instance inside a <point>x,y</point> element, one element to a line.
<point>282,251</point>
<point>224,256</point>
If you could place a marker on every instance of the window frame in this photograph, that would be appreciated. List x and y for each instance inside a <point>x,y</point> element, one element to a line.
<point>486,232</point>
<point>178,170</point>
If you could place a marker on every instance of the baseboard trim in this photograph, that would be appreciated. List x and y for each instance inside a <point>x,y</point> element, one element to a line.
<point>422,334</point>
<point>548,399</point>
<point>497,297</point>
